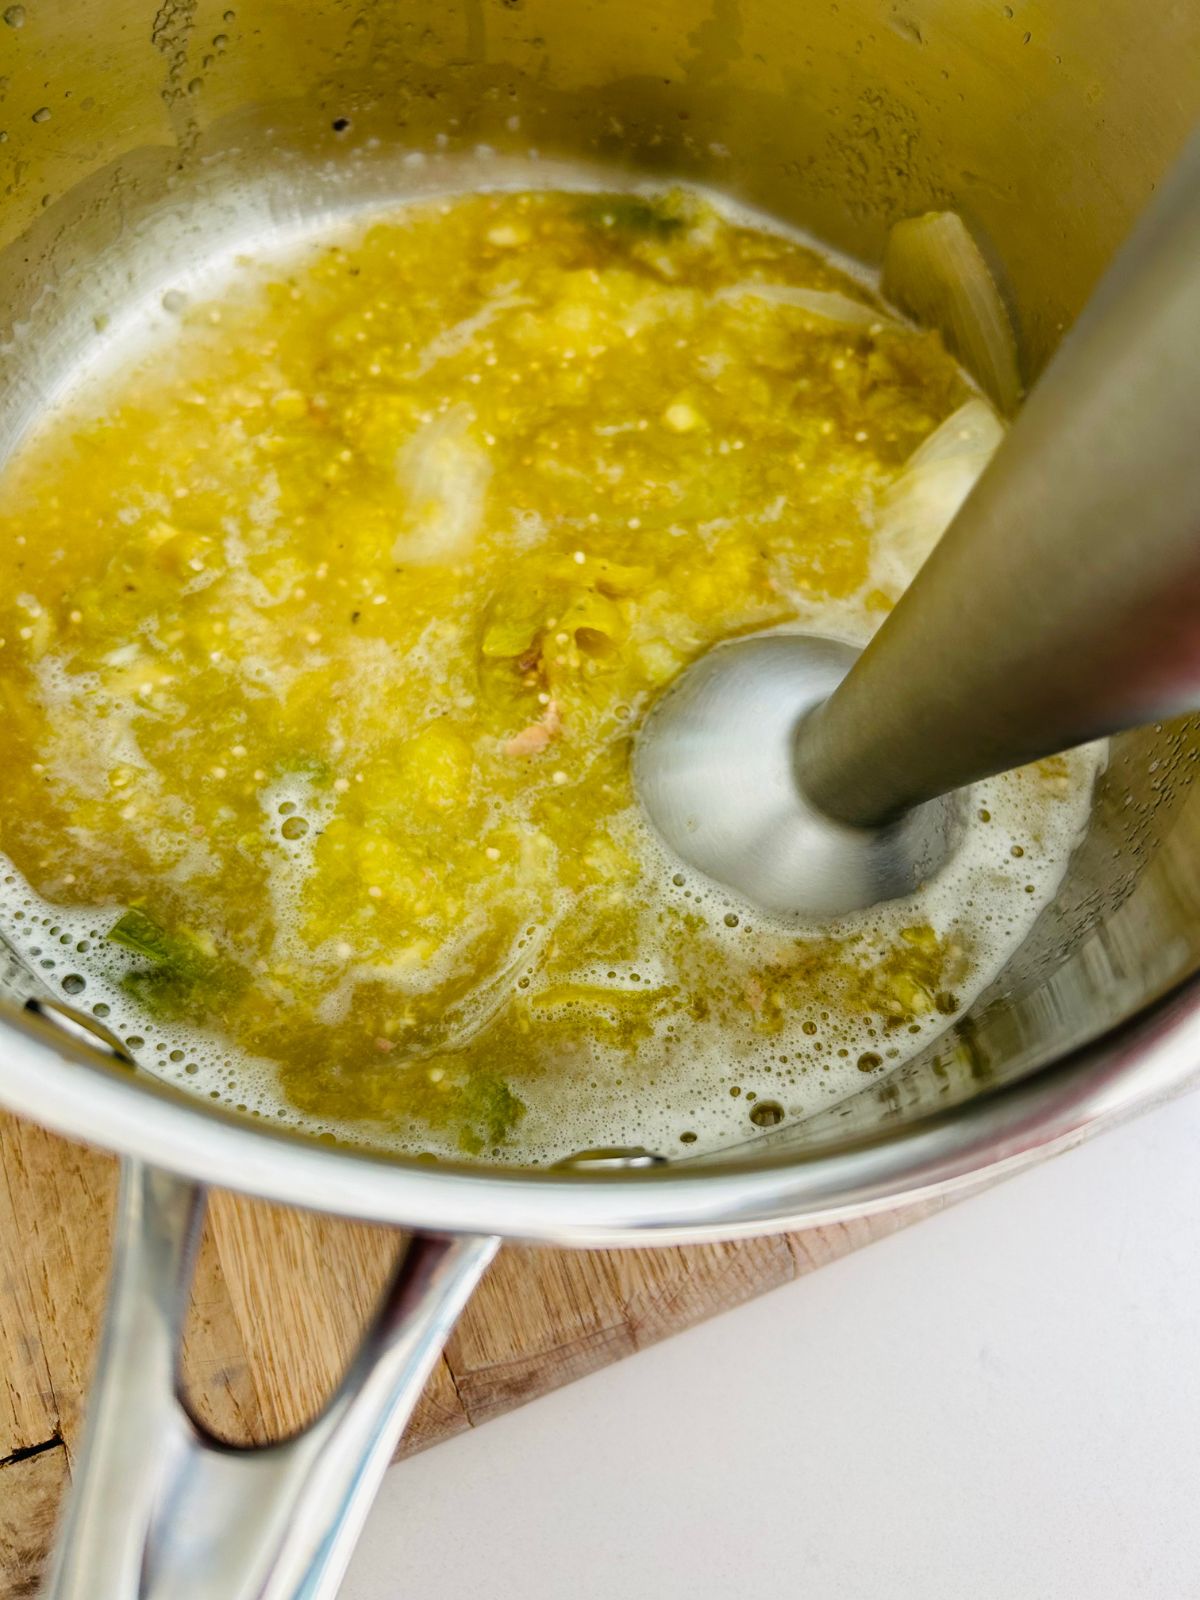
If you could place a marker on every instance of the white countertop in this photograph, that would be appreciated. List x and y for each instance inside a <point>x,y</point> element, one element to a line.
<point>1001,1403</point>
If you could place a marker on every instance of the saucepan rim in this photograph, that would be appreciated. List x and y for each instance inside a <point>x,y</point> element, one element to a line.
<point>66,1087</point>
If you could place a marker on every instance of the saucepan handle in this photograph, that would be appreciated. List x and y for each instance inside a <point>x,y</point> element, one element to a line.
<point>161,1510</point>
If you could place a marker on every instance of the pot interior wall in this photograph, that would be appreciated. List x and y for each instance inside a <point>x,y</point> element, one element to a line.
<point>135,141</point>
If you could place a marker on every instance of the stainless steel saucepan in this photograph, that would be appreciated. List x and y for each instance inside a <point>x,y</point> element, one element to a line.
<point>136,141</point>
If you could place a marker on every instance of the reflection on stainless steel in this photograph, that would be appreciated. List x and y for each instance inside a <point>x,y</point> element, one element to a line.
<point>177,130</point>
<point>716,769</point>
<point>191,1518</point>
<point>79,1028</point>
<point>614,1160</point>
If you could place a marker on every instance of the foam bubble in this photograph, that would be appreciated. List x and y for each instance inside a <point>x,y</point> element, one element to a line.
<point>1020,834</point>
<point>69,950</point>
<point>701,1097</point>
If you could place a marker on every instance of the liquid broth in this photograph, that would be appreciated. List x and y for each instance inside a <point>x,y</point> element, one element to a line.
<point>327,625</point>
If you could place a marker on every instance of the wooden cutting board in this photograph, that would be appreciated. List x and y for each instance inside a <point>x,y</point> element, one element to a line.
<point>278,1299</point>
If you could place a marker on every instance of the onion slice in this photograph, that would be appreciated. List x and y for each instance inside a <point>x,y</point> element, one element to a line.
<point>828,305</point>
<point>917,507</point>
<point>934,270</point>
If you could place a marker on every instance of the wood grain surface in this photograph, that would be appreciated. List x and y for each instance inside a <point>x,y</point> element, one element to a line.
<point>278,1300</point>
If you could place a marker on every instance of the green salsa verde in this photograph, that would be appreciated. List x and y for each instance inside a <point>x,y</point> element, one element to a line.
<point>327,624</point>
